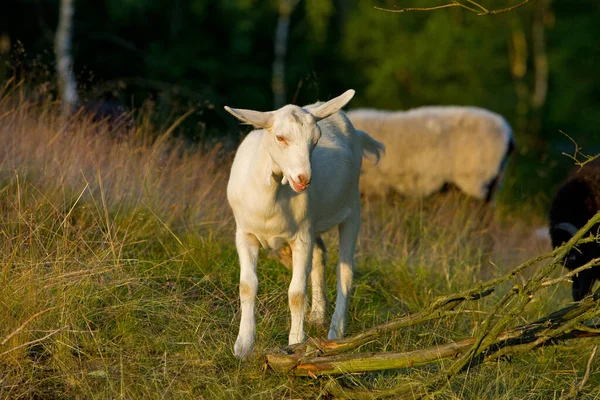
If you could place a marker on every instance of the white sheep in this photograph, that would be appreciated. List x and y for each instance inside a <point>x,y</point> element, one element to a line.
<point>319,153</point>
<point>428,147</point>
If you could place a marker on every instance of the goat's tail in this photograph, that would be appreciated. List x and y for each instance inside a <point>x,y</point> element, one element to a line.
<point>371,148</point>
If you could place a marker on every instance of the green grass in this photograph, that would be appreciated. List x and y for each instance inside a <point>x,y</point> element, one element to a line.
<point>118,276</point>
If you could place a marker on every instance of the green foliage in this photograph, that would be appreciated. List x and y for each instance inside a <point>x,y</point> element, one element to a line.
<point>573,55</point>
<point>206,54</point>
<point>417,59</point>
<point>318,13</point>
<point>123,11</point>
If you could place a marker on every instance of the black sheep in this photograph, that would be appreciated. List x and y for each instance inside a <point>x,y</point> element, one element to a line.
<point>578,200</point>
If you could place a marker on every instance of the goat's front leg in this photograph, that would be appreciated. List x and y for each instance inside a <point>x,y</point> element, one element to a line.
<point>302,250</point>
<point>247,247</point>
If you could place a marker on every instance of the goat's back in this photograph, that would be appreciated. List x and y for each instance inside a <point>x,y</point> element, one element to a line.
<point>336,164</point>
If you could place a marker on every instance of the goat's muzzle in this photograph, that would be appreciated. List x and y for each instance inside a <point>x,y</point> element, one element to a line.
<point>300,183</point>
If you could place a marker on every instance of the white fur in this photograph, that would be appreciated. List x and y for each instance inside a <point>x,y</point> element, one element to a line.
<point>320,160</point>
<point>429,146</point>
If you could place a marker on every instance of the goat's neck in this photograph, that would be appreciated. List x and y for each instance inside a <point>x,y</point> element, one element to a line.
<point>269,174</point>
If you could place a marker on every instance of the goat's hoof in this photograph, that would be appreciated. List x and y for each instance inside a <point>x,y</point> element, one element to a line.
<point>335,334</point>
<point>296,339</point>
<point>243,347</point>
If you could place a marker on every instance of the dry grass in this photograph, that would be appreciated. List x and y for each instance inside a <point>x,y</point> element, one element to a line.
<point>142,167</point>
<point>118,274</point>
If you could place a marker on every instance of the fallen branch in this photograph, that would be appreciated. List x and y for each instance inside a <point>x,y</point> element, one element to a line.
<point>547,331</point>
<point>444,306</point>
<point>441,308</point>
<point>493,340</point>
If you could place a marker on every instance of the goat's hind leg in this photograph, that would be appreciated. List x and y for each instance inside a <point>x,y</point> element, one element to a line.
<point>318,312</point>
<point>247,247</point>
<point>348,231</point>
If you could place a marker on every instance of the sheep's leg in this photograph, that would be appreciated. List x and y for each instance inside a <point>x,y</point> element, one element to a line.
<point>474,186</point>
<point>319,286</point>
<point>302,249</point>
<point>348,231</point>
<point>247,247</point>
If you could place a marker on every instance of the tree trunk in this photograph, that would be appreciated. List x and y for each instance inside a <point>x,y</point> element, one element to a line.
<point>540,62</point>
<point>281,35</point>
<point>518,59</point>
<point>64,60</point>
<point>540,59</point>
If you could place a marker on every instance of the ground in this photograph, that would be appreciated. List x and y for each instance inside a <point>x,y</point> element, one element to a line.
<point>118,276</point>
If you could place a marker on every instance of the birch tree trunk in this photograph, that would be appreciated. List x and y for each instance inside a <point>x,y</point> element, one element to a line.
<point>538,33</point>
<point>281,35</point>
<point>64,60</point>
<point>519,54</point>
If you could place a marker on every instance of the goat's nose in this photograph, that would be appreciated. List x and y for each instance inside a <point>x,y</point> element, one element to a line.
<point>303,180</point>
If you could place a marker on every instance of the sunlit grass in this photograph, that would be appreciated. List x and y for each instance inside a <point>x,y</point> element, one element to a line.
<point>118,274</point>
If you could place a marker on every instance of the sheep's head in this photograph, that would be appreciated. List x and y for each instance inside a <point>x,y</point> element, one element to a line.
<point>293,135</point>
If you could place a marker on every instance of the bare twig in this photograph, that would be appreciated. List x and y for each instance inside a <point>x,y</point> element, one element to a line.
<point>34,341</point>
<point>570,274</point>
<point>399,10</point>
<point>24,324</point>
<point>586,376</point>
<point>513,7</point>
<point>577,154</point>
<point>577,388</point>
<point>477,9</point>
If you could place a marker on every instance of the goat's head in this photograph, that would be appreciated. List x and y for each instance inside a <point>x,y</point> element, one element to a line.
<point>293,135</point>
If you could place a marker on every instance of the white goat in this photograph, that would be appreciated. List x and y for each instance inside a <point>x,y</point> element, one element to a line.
<point>428,147</point>
<point>293,143</point>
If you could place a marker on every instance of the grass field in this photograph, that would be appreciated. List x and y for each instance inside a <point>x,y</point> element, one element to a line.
<point>118,275</point>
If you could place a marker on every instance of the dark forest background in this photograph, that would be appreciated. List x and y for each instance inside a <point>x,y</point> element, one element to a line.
<point>537,65</point>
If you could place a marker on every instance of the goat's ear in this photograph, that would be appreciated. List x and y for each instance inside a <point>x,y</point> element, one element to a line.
<point>257,118</point>
<point>332,106</point>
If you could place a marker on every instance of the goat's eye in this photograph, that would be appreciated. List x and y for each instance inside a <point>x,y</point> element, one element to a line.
<point>281,139</point>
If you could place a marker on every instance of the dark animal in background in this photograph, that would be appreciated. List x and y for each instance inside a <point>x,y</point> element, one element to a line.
<point>118,119</point>
<point>578,200</point>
